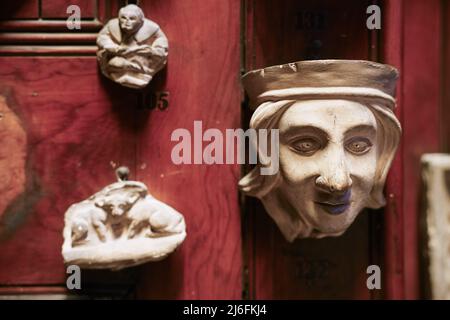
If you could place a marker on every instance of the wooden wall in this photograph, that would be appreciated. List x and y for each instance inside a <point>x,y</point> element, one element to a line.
<point>80,126</point>
<point>281,32</point>
<point>64,128</point>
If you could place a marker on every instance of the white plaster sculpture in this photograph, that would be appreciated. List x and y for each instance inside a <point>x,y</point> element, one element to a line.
<point>338,136</point>
<point>131,48</point>
<point>120,226</point>
<point>436,178</point>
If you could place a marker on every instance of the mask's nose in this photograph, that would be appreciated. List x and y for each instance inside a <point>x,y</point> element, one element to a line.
<point>334,175</point>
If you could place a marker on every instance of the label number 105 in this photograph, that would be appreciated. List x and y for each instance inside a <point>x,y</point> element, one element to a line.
<point>156,100</point>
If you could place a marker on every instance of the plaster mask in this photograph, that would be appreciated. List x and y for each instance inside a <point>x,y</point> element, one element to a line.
<point>328,157</point>
<point>336,143</point>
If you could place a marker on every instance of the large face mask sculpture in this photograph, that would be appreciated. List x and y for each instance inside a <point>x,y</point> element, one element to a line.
<point>338,136</point>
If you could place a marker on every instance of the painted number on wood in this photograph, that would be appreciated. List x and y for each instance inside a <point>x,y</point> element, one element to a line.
<point>308,20</point>
<point>156,100</point>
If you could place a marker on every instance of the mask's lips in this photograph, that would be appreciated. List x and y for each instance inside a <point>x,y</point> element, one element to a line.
<point>334,208</point>
<point>333,203</point>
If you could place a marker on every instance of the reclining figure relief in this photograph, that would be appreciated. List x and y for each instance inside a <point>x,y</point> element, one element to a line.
<point>121,226</point>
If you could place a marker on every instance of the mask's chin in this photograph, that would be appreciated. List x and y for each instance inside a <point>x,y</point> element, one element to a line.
<point>320,234</point>
<point>329,231</point>
<point>334,221</point>
<point>303,219</point>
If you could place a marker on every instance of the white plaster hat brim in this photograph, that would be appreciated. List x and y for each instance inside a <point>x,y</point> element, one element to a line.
<point>326,92</point>
<point>322,78</point>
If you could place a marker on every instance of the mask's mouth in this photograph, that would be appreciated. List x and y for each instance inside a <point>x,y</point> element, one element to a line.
<point>333,204</point>
<point>333,208</point>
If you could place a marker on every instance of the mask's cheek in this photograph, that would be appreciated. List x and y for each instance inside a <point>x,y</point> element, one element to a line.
<point>298,173</point>
<point>296,170</point>
<point>363,172</point>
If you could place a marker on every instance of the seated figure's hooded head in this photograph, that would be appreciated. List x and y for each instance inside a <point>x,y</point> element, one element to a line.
<point>338,137</point>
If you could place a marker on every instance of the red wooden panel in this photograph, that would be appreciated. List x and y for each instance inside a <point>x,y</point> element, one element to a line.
<point>54,38</point>
<point>20,9</point>
<point>46,25</point>
<point>290,30</point>
<point>78,127</point>
<point>202,79</point>
<point>32,290</point>
<point>58,8</point>
<point>415,48</point>
<point>445,122</point>
<point>48,50</point>
<point>422,99</point>
<point>392,42</point>
<point>12,155</point>
<point>282,32</point>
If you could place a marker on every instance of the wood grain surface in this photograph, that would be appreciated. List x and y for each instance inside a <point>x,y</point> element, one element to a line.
<point>202,79</point>
<point>20,9</point>
<point>12,157</point>
<point>80,126</point>
<point>58,8</point>
<point>64,128</point>
<point>77,132</point>
<point>307,269</point>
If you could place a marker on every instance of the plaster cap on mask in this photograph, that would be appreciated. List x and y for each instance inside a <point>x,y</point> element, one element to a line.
<point>322,78</point>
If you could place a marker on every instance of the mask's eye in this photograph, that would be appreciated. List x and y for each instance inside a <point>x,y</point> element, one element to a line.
<point>306,146</point>
<point>358,145</point>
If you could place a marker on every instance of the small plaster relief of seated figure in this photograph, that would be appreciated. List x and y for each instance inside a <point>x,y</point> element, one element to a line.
<point>120,226</point>
<point>131,48</point>
<point>337,137</point>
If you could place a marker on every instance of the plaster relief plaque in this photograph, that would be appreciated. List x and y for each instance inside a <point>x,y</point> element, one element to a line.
<point>121,226</point>
<point>131,48</point>
<point>436,183</point>
<point>337,137</point>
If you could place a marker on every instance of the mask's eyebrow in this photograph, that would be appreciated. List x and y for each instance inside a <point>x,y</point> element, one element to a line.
<point>365,129</point>
<point>296,130</point>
